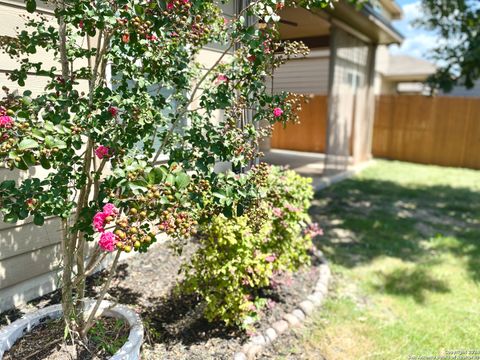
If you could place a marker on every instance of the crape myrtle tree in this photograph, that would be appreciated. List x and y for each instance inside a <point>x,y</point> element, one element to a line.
<point>457,24</point>
<point>100,146</point>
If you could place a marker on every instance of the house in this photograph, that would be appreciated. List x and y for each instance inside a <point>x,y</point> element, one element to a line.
<point>339,77</point>
<point>401,74</point>
<point>339,74</point>
<point>462,91</point>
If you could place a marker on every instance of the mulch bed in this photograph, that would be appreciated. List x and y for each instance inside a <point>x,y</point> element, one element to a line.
<point>174,325</point>
<point>45,342</point>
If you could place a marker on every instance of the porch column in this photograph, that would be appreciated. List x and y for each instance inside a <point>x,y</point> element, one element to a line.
<point>350,104</point>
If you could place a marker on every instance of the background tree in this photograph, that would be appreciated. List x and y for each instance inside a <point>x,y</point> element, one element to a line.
<point>457,23</point>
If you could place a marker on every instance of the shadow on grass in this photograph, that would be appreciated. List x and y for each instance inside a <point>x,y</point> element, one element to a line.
<point>411,282</point>
<point>365,219</point>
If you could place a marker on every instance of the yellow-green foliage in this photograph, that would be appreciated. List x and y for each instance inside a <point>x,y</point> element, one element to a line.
<point>239,255</point>
<point>228,266</point>
<point>289,199</point>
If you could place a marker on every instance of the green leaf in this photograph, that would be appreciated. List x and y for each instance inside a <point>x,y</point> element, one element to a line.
<point>60,144</point>
<point>37,134</point>
<point>29,159</point>
<point>31,5</point>
<point>156,175</point>
<point>27,144</point>
<point>49,126</point>
<point>137,187</point>
<point>22,165</point>
<point>139,9</point>
<point>38,220</point>
<point>45,163</point>
<point>219,194</point>
<point>119,172</point>
<point>51,142</point>
<point>7,185</point>
<point>182,180</point>
<point>10,218</point>
<point>170,179</point>
<point>164,200</point>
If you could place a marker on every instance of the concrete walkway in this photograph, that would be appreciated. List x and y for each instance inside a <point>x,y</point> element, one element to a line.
<point>311,165</point>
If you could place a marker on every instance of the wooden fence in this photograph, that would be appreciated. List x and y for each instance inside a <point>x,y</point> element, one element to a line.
<point>430,130</point>
<point>310,134</point>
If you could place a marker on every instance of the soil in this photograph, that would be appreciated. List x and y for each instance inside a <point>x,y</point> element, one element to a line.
<point>174,325</point>
<point>45,342</point>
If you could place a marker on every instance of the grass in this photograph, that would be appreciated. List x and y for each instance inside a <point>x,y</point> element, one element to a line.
<point>404,245</point>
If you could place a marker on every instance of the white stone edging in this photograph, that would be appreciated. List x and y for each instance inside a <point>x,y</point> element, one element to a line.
<point>129,351</point>
<point>293,319</point>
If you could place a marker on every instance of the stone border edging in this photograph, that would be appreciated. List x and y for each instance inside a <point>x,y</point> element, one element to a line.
<point>293,319</point>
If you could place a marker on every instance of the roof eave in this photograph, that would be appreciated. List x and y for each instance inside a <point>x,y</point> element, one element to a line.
<point>365,21</point>
<point>383,24</point>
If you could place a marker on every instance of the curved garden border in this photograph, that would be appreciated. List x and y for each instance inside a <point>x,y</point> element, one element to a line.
<point>295,318</point>
<point>129,351</point>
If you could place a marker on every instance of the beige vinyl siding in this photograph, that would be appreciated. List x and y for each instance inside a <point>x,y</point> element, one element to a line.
<point>29,289</point>
<point>303,76</point>
<point>29,255</point>
<point>32,238</point>
<point>25,266</point>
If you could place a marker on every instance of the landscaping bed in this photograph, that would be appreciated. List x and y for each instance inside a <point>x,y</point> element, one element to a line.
<point>174,325</point>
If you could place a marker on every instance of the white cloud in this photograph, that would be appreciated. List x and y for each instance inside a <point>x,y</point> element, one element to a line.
<point>411,11</point>
<point>418,42</point>
<point>418,45</point>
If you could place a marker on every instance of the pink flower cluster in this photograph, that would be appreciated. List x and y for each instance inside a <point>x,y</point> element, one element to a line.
<point>292,208</point>
<point>277,212</point>
<point>151,37</point>
<point>271,258</point>
<point>271,304</point>
<point>6,122</point>
<point>113,111</point>
<point>222,78</point>
<point>277,112</point>
<point>102,151</point>
<point>266,47</point>
<point>171,4</point>
<point>313,230</point>
<point>107,239</point>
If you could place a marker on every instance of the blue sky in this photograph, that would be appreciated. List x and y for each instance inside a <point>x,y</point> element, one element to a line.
<point>417,42</point>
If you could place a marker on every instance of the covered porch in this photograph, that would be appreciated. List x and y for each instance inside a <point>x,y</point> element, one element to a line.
<point>335,129</point>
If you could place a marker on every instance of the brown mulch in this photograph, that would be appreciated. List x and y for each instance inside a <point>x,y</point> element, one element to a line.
<point>174,325</point>
<point>46,342</point>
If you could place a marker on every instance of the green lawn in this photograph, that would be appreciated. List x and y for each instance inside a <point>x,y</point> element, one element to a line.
<point>404,245</point>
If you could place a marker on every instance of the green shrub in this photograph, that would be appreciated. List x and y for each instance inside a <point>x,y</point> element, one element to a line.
<point>289,198</point>
<point>239,255</point>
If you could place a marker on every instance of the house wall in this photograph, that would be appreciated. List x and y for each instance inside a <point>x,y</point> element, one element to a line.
<point>381,84</point>
<point>303,76</point>
<point>462,91</point>
<point>30,255</point>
